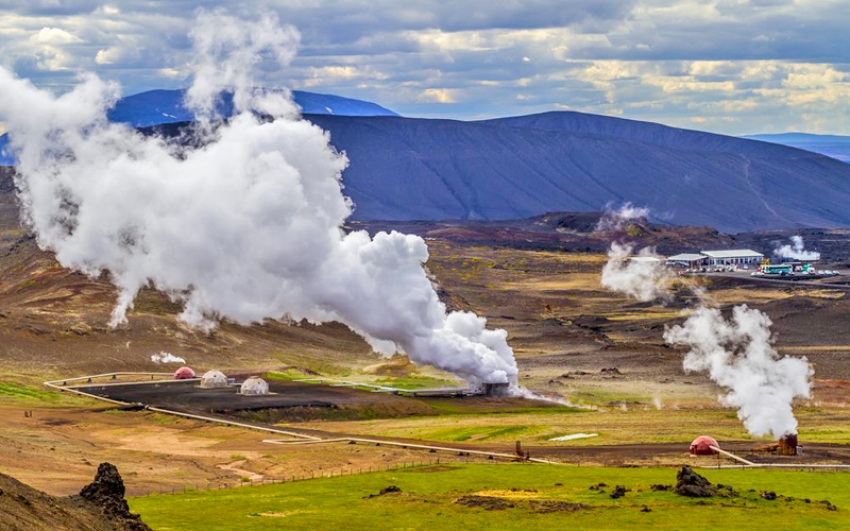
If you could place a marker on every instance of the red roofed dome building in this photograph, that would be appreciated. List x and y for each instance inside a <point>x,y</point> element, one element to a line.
<point>184,373</point>
<point>702,446</point>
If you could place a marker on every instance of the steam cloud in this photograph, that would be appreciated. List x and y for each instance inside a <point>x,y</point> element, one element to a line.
<point>166,357</point>
<point>643,280</point>
<point>614,219</point>
<point>796,251</point>
<point>246,227</point>
<point>738,356</point>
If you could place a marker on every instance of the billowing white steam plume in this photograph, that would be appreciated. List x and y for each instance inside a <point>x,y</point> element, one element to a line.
<point>796,251</point>
<point>738,356</point>
<point>614,219</point>
<point>166,357</point>
<point>642,278</point>
<point>246,227</point>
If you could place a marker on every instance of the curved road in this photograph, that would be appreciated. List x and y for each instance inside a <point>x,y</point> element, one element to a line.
<point>770,280</point>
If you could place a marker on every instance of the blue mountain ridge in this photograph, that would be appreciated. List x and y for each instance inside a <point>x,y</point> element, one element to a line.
<point>156,107</point>
<point>418,169</point>
<point>166,106</point>
<point>835,146</point>
<point>407,169</point>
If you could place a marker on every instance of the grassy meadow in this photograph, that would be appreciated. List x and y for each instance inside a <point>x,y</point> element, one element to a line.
<point>510,496</point>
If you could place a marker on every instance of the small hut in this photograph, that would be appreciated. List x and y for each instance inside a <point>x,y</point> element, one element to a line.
<point>254,386</point>
<point>213,380</point>
<point>184,373</point>
<point>703,446</point>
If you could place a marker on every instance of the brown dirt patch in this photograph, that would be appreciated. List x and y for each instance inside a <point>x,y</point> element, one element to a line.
<point>488,503</point>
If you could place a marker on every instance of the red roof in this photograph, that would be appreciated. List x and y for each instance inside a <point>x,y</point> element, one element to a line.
<point>702,446</point>
<point>184,373</point>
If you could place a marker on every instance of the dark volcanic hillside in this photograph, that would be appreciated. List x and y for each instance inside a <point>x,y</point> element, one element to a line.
<point>100,507</point>
<point>416,169</point>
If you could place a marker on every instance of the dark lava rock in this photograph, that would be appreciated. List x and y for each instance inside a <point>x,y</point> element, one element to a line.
<point>610,370</point>
<point>768,495</point>
<point>619,492</point>
<point>692,485</point>
<point>659,488</point>
<point>107,493</point>
<point>829,506</point>
<point>646,509</point>
<point>392,489</point>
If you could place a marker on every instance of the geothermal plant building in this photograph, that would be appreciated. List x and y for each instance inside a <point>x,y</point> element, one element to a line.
<point>734,257</point>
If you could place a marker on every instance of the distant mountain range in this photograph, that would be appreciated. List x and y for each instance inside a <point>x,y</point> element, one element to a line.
<point>166,106</point>
<point>156,107</point>
<point>835,146</point>
<point>510,168</point>
<point>424,169</point>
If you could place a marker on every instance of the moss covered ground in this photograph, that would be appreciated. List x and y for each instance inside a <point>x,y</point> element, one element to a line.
<point>511,496</point>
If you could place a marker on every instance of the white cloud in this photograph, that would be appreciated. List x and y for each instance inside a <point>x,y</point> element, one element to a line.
<point>438,95</point>
<point>55,36</point>
<point>779,64</point>
<point>171,73</point>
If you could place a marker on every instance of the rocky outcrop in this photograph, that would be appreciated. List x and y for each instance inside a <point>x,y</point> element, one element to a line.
<point>692,485</point>
<point>99,507</point>
<point>106,493</point>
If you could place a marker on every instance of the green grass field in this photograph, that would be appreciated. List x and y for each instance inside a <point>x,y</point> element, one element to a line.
<point>34,395</point>
<point>614,426</point>
<point>428,495</point>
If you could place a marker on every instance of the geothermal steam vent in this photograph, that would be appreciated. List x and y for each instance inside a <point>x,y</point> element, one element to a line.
<point>287,257</point>
<point>213,380</point>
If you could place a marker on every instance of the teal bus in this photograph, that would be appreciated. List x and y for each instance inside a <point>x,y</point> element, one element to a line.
<point>788,268</point>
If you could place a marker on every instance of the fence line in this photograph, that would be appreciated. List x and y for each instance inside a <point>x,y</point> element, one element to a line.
<point>322,474</point>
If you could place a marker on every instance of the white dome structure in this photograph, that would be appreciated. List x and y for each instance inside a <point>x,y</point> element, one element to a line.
<point>213,380</point>
<point>254,386</point>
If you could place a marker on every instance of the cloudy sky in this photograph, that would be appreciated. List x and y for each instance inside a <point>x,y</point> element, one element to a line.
<point>730,66</point>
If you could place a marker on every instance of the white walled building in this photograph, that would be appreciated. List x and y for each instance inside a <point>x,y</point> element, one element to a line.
<point>736,257</point>
<point>691,260</point>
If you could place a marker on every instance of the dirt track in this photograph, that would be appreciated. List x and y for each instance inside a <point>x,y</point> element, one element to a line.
<point>226,403</point>
<point>836,284</point>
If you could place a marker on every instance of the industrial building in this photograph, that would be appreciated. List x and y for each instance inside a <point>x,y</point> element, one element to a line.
<point>689,260</point>
<point>734,257</point>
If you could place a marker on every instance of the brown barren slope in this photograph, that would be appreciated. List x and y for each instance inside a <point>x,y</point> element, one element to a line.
<point>100,507</point>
